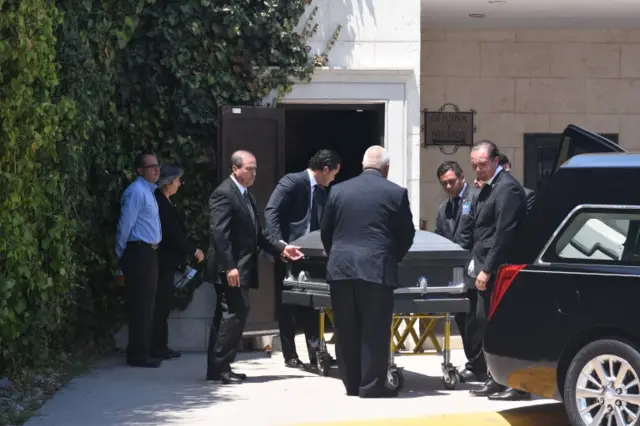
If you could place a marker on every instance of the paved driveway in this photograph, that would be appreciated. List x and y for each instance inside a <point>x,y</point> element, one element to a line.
<point>177,394</point>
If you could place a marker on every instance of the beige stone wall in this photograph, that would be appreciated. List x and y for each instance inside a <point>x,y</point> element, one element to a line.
<point>528,81</point>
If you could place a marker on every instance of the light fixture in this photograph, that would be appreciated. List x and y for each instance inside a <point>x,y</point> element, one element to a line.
<point>477,15</point>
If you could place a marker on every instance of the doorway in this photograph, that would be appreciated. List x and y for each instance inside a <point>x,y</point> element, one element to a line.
<point>283,139</point>
<point>348,129</point>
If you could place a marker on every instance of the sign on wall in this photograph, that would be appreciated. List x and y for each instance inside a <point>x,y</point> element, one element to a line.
<point>448,128</point>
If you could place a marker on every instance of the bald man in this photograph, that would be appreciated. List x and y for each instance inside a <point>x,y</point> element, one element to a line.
<point>367,229</point>
<point>232,261</point>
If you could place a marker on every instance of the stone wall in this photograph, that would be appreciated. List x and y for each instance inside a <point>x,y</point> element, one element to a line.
<point>529,81</point>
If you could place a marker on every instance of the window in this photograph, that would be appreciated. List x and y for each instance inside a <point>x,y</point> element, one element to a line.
<point>598,235</point>
<point>540,151</point>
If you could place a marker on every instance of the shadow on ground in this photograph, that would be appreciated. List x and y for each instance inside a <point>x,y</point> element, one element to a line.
<point>115,394</point>
<point>417,385</point>
<point>547,415</point>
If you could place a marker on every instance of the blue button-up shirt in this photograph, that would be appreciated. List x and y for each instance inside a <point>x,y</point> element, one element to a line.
<point>139,218</point>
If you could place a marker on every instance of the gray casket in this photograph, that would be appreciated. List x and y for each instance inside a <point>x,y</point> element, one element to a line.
<point>432,257</point>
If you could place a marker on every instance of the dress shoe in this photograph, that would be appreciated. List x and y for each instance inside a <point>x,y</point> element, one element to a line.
<point>145,362</point>
<point>240,376</point>
<point>489,388</point>
<point>226,378</point>
<point>166,353</point>
<point>382,392</point>
<point>468,376</point>
<point>294,363</point>
<point>510,394</point>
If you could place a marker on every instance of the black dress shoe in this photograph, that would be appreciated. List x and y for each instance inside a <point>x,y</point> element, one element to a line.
<point>294,363</point>
<point>145,362</point>
<point>382,392</point>
<point>468,376</point>
<point>510,394</point>
<point>166,354</point>
<point>489,388</point>
<point>226,378</point>
<point>240,376</point>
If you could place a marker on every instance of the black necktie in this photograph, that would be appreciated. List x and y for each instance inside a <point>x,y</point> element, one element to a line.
<point>313,222</point>
<point>248,201</point>
<point>453,207</point>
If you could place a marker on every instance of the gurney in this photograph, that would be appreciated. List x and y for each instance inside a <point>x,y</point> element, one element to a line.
<point>432,289</point>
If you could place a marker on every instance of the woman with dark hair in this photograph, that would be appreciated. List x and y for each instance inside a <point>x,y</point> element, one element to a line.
<point>172,252</point>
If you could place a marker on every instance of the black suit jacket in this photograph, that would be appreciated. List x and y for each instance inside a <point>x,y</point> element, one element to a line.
<point>497,214</point>
<point>288,210</point>
<point>451,227</point>
<point>235,238</point>
<point>175,244</point>
<point>367,229</point>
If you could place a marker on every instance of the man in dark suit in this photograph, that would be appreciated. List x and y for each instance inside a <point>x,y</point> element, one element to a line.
<point>453,214</point>
<point>293,210</point>
<point>367,229</point>
<point>530,194</point>
<point>496,217</point>
<point>232,261</point>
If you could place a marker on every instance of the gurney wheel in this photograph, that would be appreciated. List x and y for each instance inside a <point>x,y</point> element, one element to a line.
<point>324,365</point>
<point>395,378</point>
<point>450,380</point>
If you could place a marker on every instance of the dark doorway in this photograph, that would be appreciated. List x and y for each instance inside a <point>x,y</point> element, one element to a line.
<point>347,129</point>
<point>283,140</point>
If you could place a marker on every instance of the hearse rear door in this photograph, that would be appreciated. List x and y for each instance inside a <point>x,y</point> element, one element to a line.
<point>576,140</point>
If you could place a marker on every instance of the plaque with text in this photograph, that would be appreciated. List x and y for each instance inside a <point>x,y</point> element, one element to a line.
<point>448,128</point>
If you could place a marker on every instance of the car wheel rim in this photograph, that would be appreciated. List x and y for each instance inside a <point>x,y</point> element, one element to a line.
<point>608,392</point>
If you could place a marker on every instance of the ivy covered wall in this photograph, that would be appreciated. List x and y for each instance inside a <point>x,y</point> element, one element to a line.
<point>84,86</point>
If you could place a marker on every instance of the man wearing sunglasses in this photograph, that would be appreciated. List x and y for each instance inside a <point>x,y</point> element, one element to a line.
<point>137,239</point>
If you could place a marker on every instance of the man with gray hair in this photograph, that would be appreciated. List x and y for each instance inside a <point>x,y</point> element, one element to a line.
<point>367,229</point>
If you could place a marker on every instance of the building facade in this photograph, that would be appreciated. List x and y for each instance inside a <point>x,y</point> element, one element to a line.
<point>526,86</point>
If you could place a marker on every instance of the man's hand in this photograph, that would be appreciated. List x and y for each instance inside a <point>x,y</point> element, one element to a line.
<point>292,252</point>
<point>199,255</point>
<point>482,279</point>
<point>233,278</point>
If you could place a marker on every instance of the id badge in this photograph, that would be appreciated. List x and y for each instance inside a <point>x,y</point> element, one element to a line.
<point>466,207</point>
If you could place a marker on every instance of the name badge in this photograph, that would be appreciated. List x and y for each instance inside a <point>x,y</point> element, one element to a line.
<point>466,207</point>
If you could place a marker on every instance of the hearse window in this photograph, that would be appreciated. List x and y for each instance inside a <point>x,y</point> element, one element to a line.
<point>598,236</point>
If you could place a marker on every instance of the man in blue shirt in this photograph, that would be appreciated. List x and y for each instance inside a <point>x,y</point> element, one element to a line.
<point>137,240</point>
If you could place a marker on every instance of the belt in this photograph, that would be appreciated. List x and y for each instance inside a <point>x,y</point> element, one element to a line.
<point>143,243</point>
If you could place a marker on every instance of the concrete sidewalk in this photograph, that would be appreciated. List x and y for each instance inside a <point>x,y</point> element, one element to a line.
<point>177,394</point>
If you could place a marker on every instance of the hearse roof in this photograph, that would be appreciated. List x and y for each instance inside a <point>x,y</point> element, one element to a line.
<point>625,160</point>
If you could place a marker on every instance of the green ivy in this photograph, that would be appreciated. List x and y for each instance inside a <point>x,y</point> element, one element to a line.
<point>84,86</point>
<point>38,264</point>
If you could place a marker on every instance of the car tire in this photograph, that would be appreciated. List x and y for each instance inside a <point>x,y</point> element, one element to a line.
<point>618,350</point>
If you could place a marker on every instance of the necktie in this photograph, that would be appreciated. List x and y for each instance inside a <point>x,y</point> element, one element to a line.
<point>248,203</point>
<point>314,221</point>
<point>454,204</point>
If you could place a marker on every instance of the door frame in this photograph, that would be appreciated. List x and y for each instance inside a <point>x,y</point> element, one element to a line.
<point>398,90</point>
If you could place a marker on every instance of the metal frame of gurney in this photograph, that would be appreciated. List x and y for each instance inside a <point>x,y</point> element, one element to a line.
<point>411,305</point>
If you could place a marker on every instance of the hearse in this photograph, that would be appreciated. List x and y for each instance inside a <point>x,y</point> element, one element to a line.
<point>564,321</point>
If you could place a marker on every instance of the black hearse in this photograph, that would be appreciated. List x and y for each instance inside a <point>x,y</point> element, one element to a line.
<point>564,320</point>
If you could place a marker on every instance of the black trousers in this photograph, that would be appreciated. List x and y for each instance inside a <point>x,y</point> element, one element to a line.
<point>140,269</point>
<point>476,325</point>
<point>233,303</point>
<point>362,312</point>
<point>290,317</point>
<point>164,295</point>
<point>468,327</point>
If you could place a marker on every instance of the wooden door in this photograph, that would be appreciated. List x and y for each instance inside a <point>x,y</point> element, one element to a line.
<point>260,131</point>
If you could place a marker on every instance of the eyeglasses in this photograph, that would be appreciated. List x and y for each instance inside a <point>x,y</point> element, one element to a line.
<point>151,166</point>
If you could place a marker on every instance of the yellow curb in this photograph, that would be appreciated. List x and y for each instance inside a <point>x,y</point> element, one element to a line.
<point>541,415</point>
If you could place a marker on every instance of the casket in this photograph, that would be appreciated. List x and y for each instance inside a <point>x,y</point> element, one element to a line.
<point>432,262</point>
